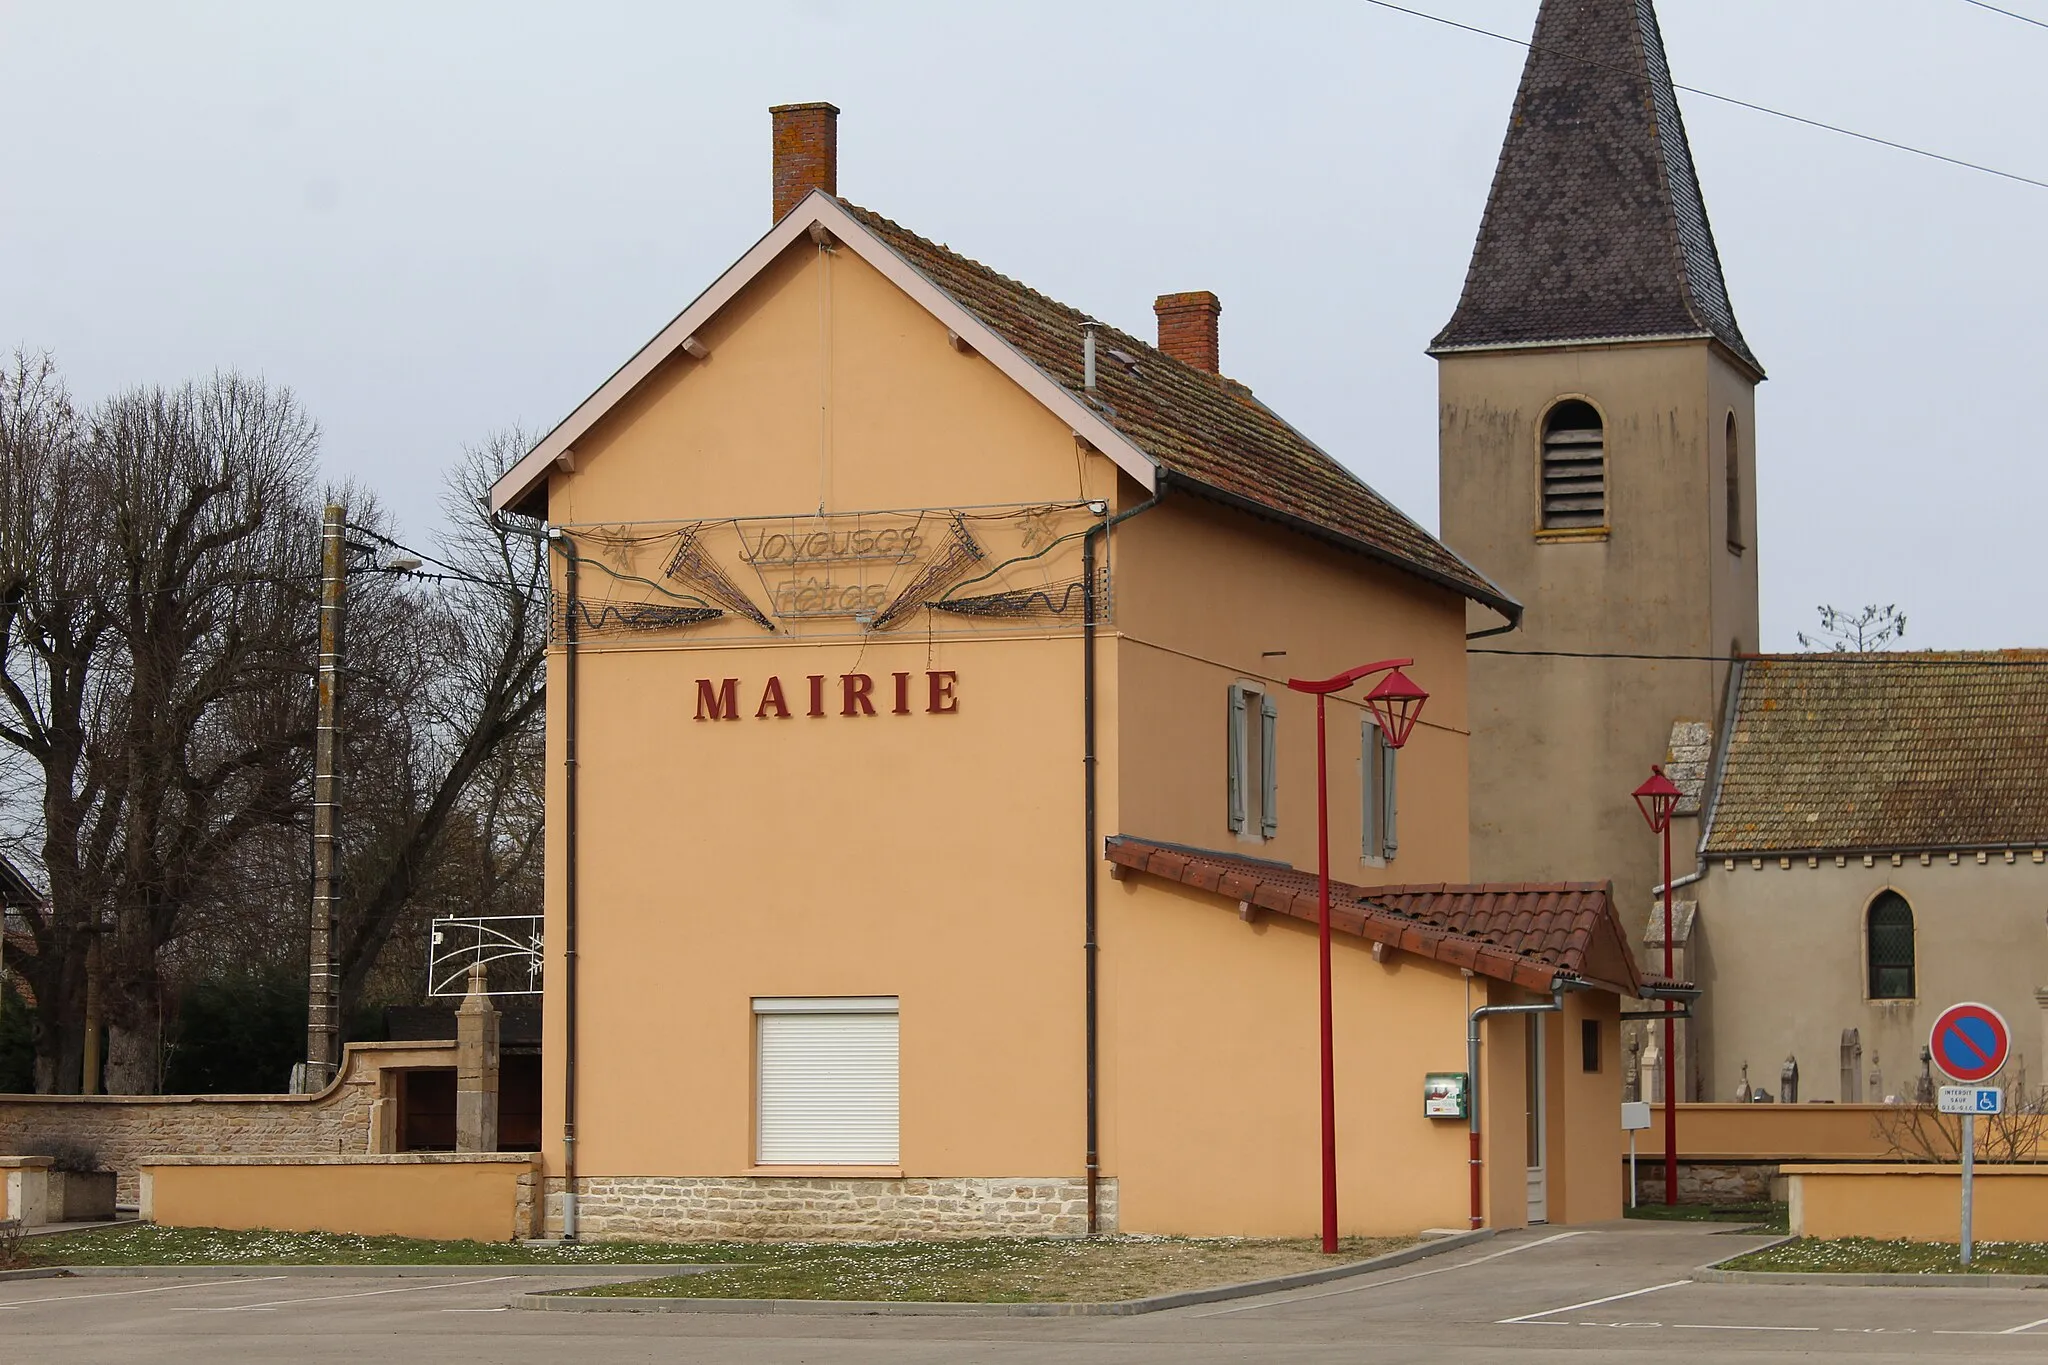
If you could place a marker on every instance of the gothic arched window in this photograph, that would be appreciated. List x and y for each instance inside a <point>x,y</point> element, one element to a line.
<point>1574,468</point>
<point>1735,541</point>
<point>1889,944</point>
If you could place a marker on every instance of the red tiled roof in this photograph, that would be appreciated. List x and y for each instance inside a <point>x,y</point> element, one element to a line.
<point>1207,433</point>
<point>1527,933</point>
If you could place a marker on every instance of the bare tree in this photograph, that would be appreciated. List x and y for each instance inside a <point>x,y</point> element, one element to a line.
<point>1919,1132</point>
<point>458,828</point>
<point>1856,632</point>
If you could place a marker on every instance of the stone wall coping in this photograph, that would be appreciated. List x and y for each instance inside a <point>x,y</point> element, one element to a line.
<point>2037,1170</point>
<point>26,1163</point>
<point>344,1075</point>
<point>527,1159</point>
<point>1809,1107</point>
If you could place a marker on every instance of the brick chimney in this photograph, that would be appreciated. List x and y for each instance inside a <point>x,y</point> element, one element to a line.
<point>1187,328</point>
<point>806,152</point>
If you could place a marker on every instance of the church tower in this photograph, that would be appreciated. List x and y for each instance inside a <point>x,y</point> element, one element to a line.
<point>1597,460</point>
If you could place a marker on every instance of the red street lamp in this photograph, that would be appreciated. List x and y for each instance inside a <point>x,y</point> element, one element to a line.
<point>1395,703</point>
<point>1658,798</point>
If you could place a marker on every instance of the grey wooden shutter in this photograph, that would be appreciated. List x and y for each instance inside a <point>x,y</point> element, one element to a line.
<point>1390,838</point>
<point>1236,744</point>
<point>1269,777</point>
<point>1371,769</point>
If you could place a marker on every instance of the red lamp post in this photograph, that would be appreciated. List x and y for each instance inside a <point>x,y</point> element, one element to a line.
<point>1395,703</point>
<point>1658,798</point>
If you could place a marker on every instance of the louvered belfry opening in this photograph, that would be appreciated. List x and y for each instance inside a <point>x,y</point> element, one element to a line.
<point>1574,468</point>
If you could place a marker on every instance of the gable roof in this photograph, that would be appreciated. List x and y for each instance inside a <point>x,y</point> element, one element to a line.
<point>1531,934</point>
<point>1885,752</point>
<point>1595,228</point>
<point>1162,422</point>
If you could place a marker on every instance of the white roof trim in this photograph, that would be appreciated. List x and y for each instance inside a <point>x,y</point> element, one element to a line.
<point>821,208</point>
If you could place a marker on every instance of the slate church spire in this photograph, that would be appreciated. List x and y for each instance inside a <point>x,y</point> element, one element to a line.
<point>1595,228</point>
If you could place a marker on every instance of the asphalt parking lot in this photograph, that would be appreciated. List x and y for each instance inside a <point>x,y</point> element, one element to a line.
<point>1539,1295</point>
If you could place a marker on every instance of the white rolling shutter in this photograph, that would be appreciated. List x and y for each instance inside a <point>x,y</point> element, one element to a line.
<point>827,1081</point>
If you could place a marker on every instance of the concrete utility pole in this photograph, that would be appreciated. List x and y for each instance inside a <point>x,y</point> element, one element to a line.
<point>323,1004</point>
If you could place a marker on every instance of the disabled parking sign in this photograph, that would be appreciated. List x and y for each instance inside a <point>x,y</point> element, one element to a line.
<point>1970,1042</point>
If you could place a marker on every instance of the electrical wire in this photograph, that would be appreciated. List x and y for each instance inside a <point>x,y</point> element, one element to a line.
<point>1728,99</point>
<point>1996,658</point>
<point>2010,14</point>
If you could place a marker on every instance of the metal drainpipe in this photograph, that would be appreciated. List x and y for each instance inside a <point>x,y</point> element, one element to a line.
<point>1089,893</point>
<point>1556,1006</point>
<point>560,539</point>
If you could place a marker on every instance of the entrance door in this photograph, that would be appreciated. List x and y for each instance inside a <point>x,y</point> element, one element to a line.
<point>1539,1183</point>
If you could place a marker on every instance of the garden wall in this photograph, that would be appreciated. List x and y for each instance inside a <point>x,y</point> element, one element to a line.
<point>347,1117</point>
<point>1921,1202</point>
<point>480,1196</point>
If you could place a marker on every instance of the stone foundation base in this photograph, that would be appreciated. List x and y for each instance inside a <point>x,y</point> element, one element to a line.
<point>1708,1182</point>
<point>824,1208</point>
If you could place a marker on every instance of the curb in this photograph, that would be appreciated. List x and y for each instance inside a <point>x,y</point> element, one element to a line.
<point>257,1271</point>
<point>556,1303</point>
<point>1707,1274</point>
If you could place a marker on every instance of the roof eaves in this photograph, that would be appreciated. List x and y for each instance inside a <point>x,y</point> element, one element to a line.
<point>1495,600</point>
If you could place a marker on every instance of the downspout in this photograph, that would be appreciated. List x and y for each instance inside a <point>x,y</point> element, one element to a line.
<point>561,540</point>
<point>1556,1006</point>
<point>1089,852</point>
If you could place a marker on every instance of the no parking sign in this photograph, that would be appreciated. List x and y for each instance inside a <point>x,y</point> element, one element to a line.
<point>1970,1042</point>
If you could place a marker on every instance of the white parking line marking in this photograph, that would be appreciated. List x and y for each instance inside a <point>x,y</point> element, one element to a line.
<point>125,1293</point>
<point>2015,1331</point>
<point>1738,1327</point>
<point>1398,1279</point>
<point>1589,1303</point>
<point>328,1298</point>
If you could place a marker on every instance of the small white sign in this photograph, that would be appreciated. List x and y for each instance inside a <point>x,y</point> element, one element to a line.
<point>1971,1099</point>
<point>1635,1114</point>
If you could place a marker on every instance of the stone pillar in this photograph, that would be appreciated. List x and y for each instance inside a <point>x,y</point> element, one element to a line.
<point>476,1068</point>
<point>2041,999</point>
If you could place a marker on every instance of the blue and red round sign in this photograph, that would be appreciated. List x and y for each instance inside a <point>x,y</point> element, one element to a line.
<point>1970,1042</point>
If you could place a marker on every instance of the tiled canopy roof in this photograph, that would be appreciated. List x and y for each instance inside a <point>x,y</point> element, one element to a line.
<point>1595,227</point>
<point>1206,432</point>
<point>1527,933</point>
<point>1885,752</point>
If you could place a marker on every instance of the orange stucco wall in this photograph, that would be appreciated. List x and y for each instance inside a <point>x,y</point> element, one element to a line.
<point>1771,1132</point>
<point>937,858</point>
<point>1923,1203</point>
<point>480,1199</point>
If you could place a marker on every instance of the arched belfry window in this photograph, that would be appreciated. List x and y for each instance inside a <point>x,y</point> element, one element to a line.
<point>1735,541</point>
<point>1889,942</point>
<point>1574,468</point>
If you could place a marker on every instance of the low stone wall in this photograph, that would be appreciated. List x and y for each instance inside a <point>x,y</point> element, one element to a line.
<point>1708,1182</point>
<point>481,1196</point>
<point>122,1129</point>
<point>828,1208</point>
<point>1921,1202</point>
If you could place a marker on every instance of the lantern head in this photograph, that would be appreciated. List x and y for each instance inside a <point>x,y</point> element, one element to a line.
<point>1658,798</point>
<point>1395,703</point>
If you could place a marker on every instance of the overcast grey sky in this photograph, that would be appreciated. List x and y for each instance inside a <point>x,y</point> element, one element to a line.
<point>433,220</point>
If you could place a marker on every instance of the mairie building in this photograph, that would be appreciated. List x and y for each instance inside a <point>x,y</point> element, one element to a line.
<point>932,833</point>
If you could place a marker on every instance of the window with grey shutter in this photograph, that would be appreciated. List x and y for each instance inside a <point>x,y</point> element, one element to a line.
<point>1574,468</point>
<point>1390,822</point>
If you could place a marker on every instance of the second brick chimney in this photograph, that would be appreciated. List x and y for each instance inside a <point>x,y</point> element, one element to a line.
<point>1187,328</point>
<point>806,152</point>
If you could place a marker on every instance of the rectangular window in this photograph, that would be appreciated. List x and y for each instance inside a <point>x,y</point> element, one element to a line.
<point>826,1079</point>
<point>1380,835</point>
<point>1254,782</point>
<point>1589,1046</point>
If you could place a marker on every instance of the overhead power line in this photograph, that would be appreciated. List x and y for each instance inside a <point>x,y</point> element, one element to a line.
<point>2010,14</point>
<point>1730,99</point>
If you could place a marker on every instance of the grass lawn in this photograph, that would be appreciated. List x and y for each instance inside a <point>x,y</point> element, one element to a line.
<point>1772,1217</point>
<point>1868,1256</point>
<point>996,1270</point>
<point>980,1270</point>
<point>146,1244</point>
